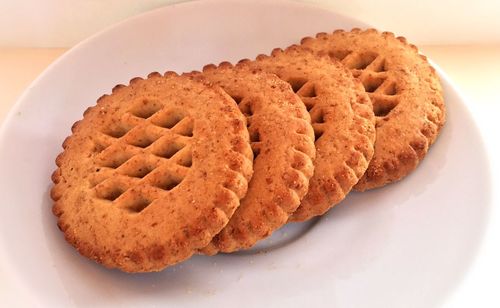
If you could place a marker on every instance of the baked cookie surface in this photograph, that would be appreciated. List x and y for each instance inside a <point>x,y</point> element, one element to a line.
<point>152,173</point>
<point>342,118</point>
<point>282,139</point>
<point>406,95</point>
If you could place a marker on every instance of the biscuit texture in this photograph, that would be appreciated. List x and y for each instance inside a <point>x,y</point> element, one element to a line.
<point>406,95</point>
<point>282,140</point>
<point>342,119</point>
<point>152,173</point>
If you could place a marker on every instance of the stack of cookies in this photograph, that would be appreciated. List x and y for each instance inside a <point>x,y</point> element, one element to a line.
<point>214,161</point>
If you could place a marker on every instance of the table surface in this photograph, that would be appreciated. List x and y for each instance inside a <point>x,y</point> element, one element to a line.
<point>474,69</point>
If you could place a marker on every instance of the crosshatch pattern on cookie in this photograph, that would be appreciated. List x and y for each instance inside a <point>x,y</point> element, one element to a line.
<point>370,68</point>
<point>405,92</point>
<point>150,147</point>
<point>307,92</point>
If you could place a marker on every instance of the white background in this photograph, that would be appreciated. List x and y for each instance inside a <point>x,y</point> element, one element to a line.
<point>63,23</point>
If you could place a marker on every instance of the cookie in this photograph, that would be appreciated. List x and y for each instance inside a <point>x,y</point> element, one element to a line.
<point>406,95</point>
<point>342,118</point>
<point>282,139</point>
<point>152,173</point>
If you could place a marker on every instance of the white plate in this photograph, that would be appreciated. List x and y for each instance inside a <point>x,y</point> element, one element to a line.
<point>406,245</point>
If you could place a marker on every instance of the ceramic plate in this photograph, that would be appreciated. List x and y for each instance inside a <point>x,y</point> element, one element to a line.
<point>405,245</point>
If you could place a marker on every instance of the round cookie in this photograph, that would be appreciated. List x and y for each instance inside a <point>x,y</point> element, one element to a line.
<point>406,95</point>
<point>342,118</point>
<point>282,139</point>
<point>152,173</point>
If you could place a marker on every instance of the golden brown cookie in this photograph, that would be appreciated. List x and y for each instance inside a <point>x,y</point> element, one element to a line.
<point>152,173</point>
<point>342,118</point>
<point>405,91</point>
<point>282,139</point>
